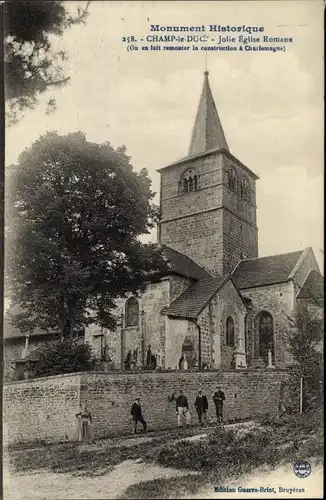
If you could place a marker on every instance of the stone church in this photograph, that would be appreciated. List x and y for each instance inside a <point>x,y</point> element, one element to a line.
<point>221,305</point>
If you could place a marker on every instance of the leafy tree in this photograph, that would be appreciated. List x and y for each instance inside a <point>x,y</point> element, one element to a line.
<point>58,357</point>
<point>31,64</point>
<point>304,345</point>
<point>75,211</point>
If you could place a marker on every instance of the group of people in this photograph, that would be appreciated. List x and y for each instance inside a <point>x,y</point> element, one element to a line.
<point>182,409</point>
<point>201,407</point>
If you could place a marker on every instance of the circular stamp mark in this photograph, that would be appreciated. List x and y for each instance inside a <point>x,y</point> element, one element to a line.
<point>302,468</point>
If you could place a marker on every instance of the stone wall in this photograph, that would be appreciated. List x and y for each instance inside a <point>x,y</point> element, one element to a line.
<point>212,225</point>
<point>240,238</point>
<point>176,333</point>
<point>177,285</point>
<point>227,303</point>
<point>41,409</point>
<point>197,236</point>
<point>45,409</point>
<point>149,331</point>
<point>278,300</point>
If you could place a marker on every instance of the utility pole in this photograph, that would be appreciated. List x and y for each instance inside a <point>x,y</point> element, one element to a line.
<point>301,393</point>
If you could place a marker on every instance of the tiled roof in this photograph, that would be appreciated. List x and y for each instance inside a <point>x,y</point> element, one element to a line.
<point>183,265</point>
<point>313,288</point>
<point>251,273</point>
<point>191,302</point>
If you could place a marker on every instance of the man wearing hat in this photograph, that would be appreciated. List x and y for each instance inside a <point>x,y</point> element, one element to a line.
<point>137,416</point>
<point>201,405</point>
<point>219,398</point>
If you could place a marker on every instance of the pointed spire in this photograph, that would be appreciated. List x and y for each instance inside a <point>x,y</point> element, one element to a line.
<point>207,132</point>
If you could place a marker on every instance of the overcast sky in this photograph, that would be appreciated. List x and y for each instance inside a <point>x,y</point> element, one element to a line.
<point>270,104</point>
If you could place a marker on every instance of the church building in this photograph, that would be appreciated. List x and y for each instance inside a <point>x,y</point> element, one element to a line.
<point>221,305</point>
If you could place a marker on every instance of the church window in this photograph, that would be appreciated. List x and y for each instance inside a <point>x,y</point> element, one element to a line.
<point>132,312</point>
<point>230,332</point>
<point>244,190</point>
<point>232,179</point>
<point>265,334</point>
<point>189,182</point>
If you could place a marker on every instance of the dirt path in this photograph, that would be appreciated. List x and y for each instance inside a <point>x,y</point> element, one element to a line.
<point>50,486</point>
<point>113,481</point>
<point>110,485</point>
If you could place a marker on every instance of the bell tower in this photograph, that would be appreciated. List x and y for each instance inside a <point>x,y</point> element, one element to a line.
<point>208,198</point>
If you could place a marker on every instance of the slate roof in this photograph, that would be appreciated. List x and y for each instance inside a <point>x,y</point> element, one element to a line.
<point>11,332</point>
<point>192,301</point>
<point>183,265</point>
<point>251,273</point>
<point>313,288</point>
<point>208,131</point>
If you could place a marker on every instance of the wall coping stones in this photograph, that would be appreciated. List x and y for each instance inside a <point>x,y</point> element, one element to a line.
<point>145,373</point>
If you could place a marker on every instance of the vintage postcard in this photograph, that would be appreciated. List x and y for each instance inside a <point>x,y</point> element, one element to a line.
<point>164,290</point>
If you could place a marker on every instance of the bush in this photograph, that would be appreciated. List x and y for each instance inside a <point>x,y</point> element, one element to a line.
<point>65,356</point>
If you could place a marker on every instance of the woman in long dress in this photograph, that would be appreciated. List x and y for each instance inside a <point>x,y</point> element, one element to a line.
<point>84,424</point>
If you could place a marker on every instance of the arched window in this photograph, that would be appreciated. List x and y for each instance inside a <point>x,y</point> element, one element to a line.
<point>189,181</point>
<point>244,189</point>
<point>191,184</point>
<point>230,332</point>
<point>232,180</point>
<point>132,312</point>
<point>265,334</point>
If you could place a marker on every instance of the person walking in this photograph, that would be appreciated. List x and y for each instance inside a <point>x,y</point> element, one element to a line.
<point>201,405</point>
<point>137,416</point>
<point>182,409</point>
<point>219,398</point>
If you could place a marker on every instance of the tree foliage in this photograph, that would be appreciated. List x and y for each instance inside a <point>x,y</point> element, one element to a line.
<point>305,346</point>
<point>75,212</point>
<point>58,357</point>
<point>31,64</point>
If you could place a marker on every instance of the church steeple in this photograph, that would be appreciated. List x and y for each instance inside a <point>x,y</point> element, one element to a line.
<point>207,132</point>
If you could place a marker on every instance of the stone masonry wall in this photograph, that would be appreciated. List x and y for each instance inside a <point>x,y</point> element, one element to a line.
<point>41,409</point>
<point>198,237</point>
<point>239,237</point>
<point>149,331</point>
<point>278,300</point>
<point>46,408</point>
<point>177,285</point>
<point>227,303</point>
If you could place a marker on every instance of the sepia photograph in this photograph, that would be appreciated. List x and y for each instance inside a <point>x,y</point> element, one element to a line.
<point>163,316</point>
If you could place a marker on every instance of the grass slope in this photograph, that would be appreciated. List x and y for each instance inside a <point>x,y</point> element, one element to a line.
<point>232,453</point>
<point>221,455</point>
